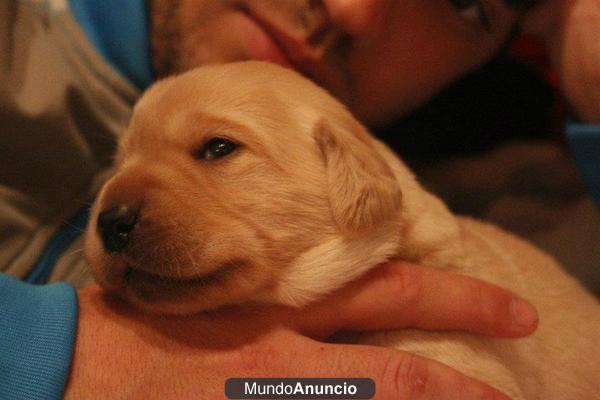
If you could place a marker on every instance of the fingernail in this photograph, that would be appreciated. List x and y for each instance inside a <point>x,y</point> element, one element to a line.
<point>524,316</point>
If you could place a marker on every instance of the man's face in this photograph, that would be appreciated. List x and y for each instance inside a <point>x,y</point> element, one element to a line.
<point>381,57</point>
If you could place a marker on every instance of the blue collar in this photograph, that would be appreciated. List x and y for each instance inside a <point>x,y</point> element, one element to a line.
<point>119,31</point>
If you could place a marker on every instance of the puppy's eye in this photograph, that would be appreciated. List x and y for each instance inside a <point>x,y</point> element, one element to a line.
<point>216,148</point>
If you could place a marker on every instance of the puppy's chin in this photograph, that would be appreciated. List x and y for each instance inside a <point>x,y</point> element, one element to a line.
<point>173,295</point>
<point>231,283</point>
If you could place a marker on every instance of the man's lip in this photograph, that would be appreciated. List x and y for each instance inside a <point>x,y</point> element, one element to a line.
<point>261,45</point>
<point>309,60</point>
<point>297,52</point>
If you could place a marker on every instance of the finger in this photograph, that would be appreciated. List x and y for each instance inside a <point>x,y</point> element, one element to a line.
<point>401,294</point>
<point>397,375</point>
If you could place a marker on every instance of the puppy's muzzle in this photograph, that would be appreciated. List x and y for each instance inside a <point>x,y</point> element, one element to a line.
<point>115,227</point>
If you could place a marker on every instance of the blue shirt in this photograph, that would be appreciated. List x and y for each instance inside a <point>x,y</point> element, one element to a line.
<point>37,328</point>
<point>38,322</point>
<point>118,29</point>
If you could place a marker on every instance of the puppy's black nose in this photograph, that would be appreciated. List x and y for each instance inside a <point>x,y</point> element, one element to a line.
<point>115,226</point>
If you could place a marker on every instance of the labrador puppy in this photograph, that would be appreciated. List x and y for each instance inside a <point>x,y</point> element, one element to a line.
<point>247,182</point>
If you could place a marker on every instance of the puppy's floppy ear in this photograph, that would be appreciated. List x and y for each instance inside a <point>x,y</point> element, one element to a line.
<point>363,191</point>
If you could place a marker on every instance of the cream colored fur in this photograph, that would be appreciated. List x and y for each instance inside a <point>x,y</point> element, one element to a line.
<point>308,202</point>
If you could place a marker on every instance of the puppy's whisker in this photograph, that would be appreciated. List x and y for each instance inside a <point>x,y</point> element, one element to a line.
<point>75,227</point>
<point>192,262</point>
<point>75,251</point>
<point>83,275</point>
<point>190,192</point>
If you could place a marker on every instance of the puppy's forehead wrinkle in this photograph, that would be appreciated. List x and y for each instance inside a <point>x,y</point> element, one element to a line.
<point>189,131</point>
<point>260,103</point>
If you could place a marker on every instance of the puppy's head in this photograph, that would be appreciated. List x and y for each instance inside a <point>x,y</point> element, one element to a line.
<point>225,178</point>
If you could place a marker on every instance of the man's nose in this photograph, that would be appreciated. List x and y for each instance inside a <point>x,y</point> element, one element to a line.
<point>357,17</point>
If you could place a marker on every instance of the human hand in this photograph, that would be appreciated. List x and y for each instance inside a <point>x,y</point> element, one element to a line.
<point>121,353</point>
